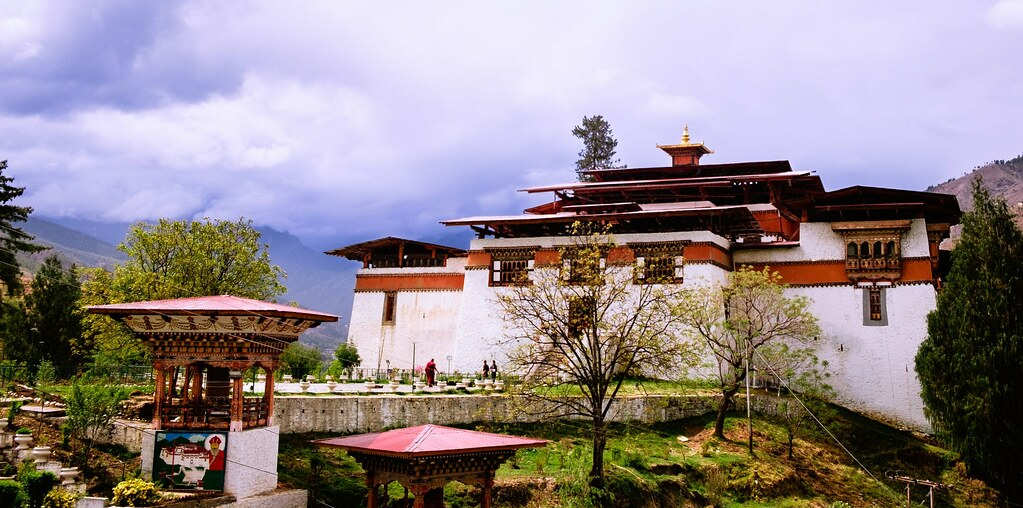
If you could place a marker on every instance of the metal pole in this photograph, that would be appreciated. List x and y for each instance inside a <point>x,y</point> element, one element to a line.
<point>413,359</point>
<point>749,418</point>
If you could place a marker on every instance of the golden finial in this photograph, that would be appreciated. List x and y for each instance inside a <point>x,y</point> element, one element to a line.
<point>685,134</point>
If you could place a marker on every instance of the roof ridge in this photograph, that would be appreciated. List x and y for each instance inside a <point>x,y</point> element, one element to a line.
<point>423,434</point>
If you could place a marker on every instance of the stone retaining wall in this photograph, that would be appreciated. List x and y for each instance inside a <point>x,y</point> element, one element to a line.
<point>355,414</point>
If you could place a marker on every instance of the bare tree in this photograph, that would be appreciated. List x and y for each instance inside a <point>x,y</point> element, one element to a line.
<point>587,323</point>
<point>737,319</point>
<point>802,386</point>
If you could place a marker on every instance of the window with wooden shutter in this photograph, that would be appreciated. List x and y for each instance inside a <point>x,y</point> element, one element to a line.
<point>509,267</point>
<point>659,263</point>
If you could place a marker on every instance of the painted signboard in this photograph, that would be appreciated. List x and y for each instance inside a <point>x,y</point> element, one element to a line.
<point>190,460</point>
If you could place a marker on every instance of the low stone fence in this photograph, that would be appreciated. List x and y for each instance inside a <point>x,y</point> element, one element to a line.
<point>354,414</point>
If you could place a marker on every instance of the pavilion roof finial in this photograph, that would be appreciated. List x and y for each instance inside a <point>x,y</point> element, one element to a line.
<point>685,134</point>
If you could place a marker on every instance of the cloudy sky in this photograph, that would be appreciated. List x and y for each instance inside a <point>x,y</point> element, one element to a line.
<point>347,120</point>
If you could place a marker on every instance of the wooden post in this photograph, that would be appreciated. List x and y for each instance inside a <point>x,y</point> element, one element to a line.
<point>420,492</point>
<point>197,383</point>
<point>488,490</point>
<point>237,398</point>
<point>268,395</point>
<point>371,495</point>
<point>158,396</point>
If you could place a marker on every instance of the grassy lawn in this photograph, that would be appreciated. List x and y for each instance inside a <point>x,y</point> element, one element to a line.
<point>648,466</point>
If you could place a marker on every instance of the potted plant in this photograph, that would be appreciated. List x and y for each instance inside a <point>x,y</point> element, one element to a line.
<point>23,438</point>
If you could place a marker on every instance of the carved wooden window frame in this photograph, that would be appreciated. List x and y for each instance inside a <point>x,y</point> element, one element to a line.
<point>511,267</point>
<point>390,310</point>
<point>670,257</point>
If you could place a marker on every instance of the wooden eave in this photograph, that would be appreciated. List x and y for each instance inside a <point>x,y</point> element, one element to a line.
<point>357,251</point>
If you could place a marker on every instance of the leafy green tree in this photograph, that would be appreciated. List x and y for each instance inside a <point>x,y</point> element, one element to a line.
<point>346,356</point>
<point>599,146</point>
<point>177,259</point>
<point>90,409</point>
<point>12,239</point>
<point>300,360</point>
<point>56,318</point>
<point>17,333</point>
<point>737,319</point>
<point>969,365</point>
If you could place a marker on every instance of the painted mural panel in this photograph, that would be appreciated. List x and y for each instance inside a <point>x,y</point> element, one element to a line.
<point>190,460</point>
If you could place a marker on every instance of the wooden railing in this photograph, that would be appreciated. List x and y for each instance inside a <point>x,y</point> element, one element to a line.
<point>212,413</point>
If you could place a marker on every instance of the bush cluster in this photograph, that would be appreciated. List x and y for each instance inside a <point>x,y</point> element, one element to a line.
<point>135,492</point>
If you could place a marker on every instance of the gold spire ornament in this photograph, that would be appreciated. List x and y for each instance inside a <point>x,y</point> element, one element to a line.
<point>685,134</point>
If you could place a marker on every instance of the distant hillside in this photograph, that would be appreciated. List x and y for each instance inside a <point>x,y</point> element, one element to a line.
<point>1003,178</point>
<point>71,246</point>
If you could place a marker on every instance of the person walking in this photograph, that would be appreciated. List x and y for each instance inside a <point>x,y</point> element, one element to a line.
<point>431,372</point>
<point>486,369</point>
<point>493,370</point>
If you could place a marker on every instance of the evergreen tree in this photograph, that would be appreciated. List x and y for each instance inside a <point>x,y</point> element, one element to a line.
<point>56,318</point>
<point>599,146</point>
<point>969,365</point>
<point>12,239</point>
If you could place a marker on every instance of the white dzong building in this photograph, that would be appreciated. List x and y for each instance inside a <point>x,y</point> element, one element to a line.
<point>866,257</point>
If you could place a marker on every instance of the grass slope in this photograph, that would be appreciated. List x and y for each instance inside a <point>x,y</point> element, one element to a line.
<point>648,466</point>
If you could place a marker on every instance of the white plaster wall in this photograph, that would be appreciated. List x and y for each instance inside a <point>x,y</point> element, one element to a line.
<point>873,366</point>
<point>818,242</point>
<point>481,329</point>
<point>427,318</point>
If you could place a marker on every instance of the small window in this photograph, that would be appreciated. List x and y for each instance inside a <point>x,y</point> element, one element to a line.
<point>580,315</point>
<point>507,272</point>
<point>890,250</point>
<point>580,269</point>
<point>877,249</point>
<point>875,311</point>
<point>864,250</point>
<point>851,250</point>
<point>390,301</point>
<point>659,269</point>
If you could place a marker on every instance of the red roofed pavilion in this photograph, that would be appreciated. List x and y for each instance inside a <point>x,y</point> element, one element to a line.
<point>216,337</point>
<point>426,457</point>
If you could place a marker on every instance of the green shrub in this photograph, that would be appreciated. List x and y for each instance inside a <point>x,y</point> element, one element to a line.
<point>839,504</point>
<point>135,492</point>
<point>37,485</point>
<point>11,411</point>
<point>12,495</point>
<point>46,374</point>
<point>61,498</point>
<point>24,430</point>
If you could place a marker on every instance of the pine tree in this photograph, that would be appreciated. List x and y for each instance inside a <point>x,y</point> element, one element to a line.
<point>599,146</point>
<point>12,239</point>
<point>969,365</point>
<point>56,317</point>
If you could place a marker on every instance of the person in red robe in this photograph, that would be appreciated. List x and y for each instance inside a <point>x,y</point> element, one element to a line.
<point>431,371</point>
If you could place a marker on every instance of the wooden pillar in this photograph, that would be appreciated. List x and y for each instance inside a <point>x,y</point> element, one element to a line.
<point>160,382</point>
<point>196,382</point>
<point>488,490</point>
<point>237,398</point>
<point>371,482</point>
<point>420,492</point>
<point>268,395</point>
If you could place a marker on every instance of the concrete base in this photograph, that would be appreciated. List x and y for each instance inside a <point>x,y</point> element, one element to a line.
<point>279,499</point>
<point>251,467</point>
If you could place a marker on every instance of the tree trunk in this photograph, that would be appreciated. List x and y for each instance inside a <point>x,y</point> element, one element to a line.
<point>599,442</point>
<point>790,444</point>
<point>723,407</point>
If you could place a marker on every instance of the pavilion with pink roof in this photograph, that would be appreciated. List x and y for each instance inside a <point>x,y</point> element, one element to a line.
<point>426,457</point>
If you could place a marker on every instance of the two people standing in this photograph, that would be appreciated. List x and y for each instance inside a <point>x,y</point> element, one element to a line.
<point>490,370</point>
